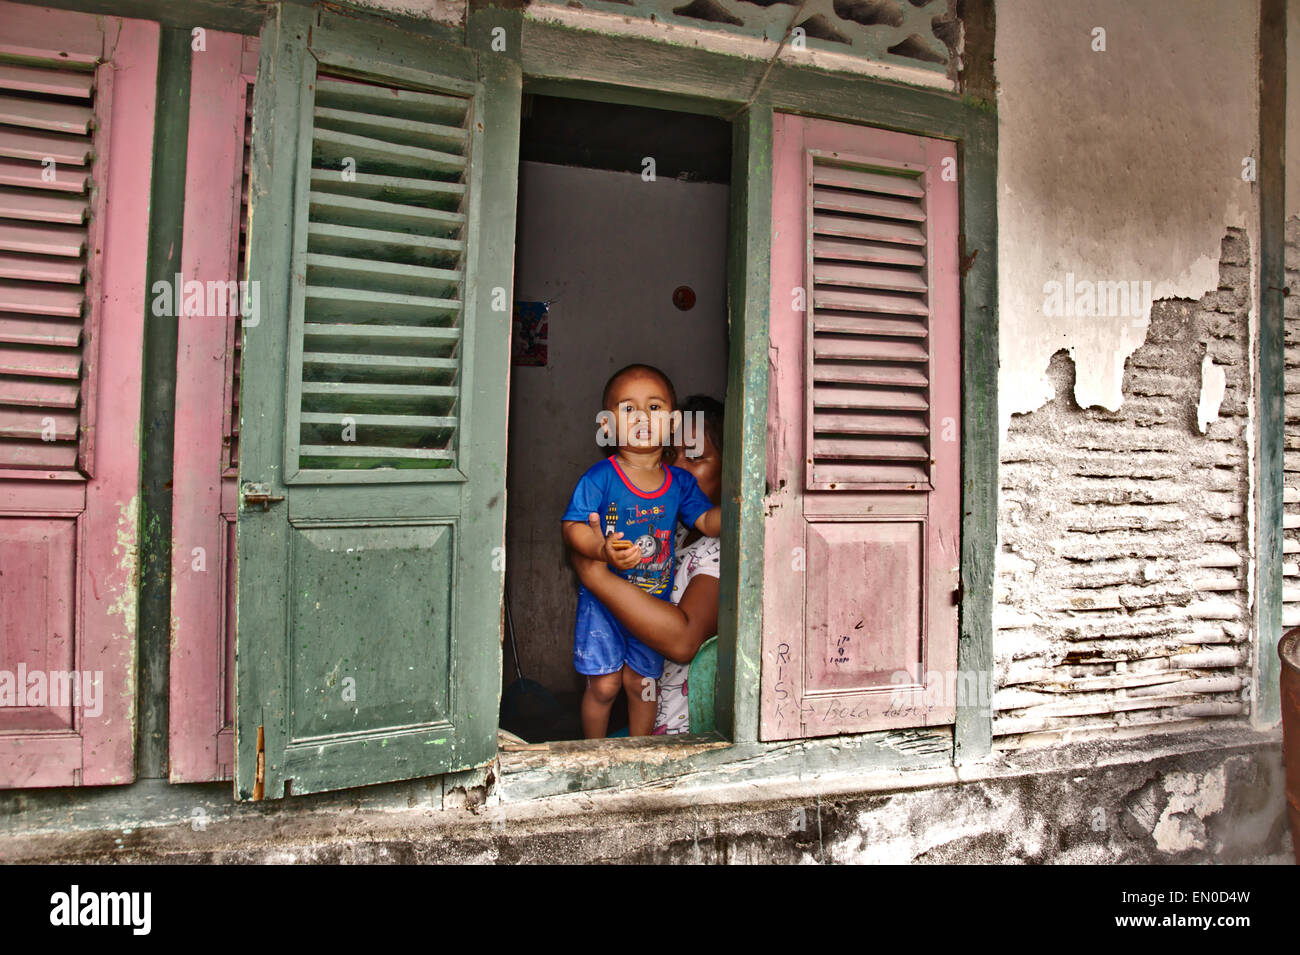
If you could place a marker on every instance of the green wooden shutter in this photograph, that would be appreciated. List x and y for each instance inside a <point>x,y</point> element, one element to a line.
<point>382,233</point>
<point>379,372</point>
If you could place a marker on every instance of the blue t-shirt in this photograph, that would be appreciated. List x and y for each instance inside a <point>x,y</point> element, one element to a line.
<point>646,518</point>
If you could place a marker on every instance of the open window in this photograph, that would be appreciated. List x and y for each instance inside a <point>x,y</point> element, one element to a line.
<point>378,390</point>
<point>621,258</point>
<point>373,410</point>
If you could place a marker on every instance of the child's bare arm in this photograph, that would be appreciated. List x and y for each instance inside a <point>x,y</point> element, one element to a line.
<point>585,539</point>
<point>710,522</point>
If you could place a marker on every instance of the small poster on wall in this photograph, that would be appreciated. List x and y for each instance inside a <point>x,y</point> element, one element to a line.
<point>528,344</point>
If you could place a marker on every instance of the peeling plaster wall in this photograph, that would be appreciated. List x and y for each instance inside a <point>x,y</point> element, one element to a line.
<point>1123,575</point>
<point>1291,448</point>
<point>1122,165</point>
<point>1123,598</point>
<point>1220,805</point>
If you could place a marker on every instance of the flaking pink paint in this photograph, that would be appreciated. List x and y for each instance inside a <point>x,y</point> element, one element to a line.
<point>858,585</point>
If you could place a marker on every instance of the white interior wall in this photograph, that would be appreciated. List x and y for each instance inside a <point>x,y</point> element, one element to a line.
<point>607,249</point>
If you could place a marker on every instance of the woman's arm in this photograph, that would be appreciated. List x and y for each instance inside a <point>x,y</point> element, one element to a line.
<point>677,631</point>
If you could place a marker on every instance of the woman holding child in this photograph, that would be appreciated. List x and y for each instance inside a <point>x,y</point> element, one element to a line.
<point>672,629</point>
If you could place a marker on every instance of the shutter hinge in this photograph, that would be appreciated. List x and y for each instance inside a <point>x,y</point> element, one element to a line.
<point>956,594</point>
<point>259,782</point>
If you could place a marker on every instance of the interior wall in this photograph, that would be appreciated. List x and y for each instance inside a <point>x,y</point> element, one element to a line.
<point>606,249</point>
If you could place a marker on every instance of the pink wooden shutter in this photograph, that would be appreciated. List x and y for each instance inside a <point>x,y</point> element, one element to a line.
<point>861,558</point>
<point>46,174</point>
<point>77,99</point>
<point>206,463</point>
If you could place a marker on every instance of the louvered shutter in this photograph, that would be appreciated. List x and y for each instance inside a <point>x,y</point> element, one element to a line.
<point>206,442</point>
<point>47,167</point>
<point>861,539</point>
<point>382,310</point>
<point>235,343</point>
<point>369,616</point>
<point>77,99</point>
<point>868,347</point>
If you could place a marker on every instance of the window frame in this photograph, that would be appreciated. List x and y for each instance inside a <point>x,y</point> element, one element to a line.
<point>560,60</point>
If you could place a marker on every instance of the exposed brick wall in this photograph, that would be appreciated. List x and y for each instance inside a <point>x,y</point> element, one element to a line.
<point>1122,592</point>
<point>1291,456</point>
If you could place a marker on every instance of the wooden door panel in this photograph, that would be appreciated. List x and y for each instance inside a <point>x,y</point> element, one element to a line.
<point>864,619</point>
<point>38,574</point>
<point>370,629</point>
<point>861,542</point>
<point>201,705</point>
<point>370,579</point>
<point>71,313</point>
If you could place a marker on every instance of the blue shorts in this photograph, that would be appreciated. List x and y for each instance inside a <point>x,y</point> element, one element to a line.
<point>602,645</point>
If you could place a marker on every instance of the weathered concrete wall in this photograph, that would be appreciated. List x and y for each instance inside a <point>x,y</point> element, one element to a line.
<point>1123,588</point>
<point>1122,164</point>
<point>451,12</point>
<point>1291,313</point>
<point>1219,801</point>
<point>1293,109</point>
<point>1291,452</point>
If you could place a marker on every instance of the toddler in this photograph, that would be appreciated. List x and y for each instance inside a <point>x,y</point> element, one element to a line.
<point>639,500</point>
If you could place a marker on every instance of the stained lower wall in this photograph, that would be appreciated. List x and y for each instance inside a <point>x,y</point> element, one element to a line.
<point>1122,592</point>
<point>1221,801</point>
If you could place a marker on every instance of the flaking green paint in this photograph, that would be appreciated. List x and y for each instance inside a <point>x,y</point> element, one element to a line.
<point>166,215</point>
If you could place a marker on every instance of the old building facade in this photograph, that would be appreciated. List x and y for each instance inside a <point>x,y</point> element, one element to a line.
<point>999,296</point>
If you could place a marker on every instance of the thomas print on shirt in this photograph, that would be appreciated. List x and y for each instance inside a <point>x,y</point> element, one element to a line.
<point>646,518</point>
<point>652,574</point>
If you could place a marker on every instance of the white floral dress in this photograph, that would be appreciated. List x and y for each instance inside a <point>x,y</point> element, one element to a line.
<point>673,715</point>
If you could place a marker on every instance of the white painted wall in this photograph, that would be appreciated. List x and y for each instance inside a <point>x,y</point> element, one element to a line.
<point>1293,108</point>
<point>607,249</point>
<point>1115,165</point>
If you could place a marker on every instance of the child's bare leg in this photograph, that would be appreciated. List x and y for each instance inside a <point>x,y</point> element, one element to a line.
<point>596,701</point>
<point>642,702</point>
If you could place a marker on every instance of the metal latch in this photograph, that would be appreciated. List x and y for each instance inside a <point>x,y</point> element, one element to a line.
<point>259,494</point>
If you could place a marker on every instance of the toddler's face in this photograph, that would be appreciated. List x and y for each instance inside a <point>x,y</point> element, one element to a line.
<point>643,412</point>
